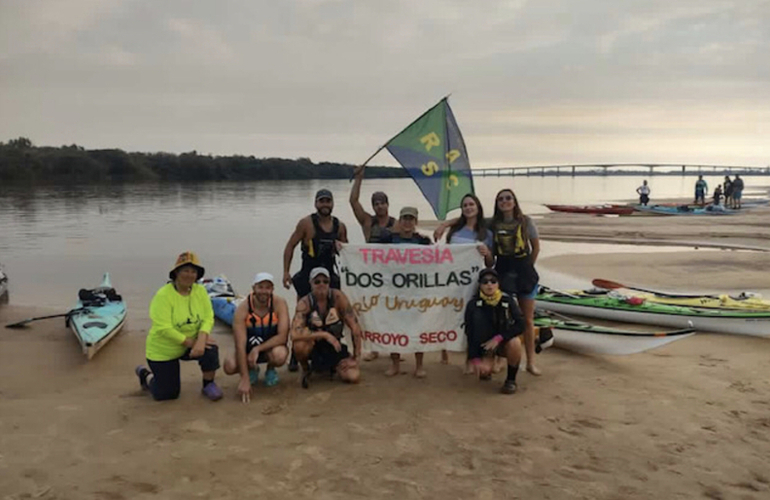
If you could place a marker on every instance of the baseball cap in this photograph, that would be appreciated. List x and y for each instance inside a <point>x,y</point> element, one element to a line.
<point>408,211</point>
<point>323,193</point>
<point>318,270</point>
<point>260,277</point>
<point>486,271</point>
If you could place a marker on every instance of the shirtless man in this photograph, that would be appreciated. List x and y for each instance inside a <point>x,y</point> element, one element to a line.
<point>317,331</point>
<point>261,330</point>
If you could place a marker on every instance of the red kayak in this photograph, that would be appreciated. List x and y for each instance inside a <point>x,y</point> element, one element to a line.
<point>593,209</point>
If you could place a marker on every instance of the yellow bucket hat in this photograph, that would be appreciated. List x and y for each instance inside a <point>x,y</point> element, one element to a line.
<point>185,259</point>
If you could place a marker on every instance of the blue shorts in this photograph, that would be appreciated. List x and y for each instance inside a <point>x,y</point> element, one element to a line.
<point>737,194</point>
<point>531,295</point>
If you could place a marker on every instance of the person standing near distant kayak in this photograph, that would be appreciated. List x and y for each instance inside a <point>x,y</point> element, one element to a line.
<point>727,189</point>
<point>737,191</point>
<point>701,190</point>
<point>644,193</point>
<point>182,318</point>
<point>261,331</point>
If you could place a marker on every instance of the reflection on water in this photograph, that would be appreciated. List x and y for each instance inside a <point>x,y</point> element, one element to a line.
<point>55,240</point>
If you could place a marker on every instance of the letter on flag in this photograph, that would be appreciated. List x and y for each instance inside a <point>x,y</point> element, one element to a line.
<point>432,150</point>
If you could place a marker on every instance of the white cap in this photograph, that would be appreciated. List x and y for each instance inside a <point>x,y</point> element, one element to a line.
<point>260,277</point>
<point>318,270</point>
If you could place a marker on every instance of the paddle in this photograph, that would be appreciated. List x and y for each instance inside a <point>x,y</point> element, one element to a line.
<point>29,320</point>
<point>613,285</point>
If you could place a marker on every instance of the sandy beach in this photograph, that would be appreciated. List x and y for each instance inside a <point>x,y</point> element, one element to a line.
<point>689,420</point>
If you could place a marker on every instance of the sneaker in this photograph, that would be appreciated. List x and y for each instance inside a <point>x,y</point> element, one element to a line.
<point>509,387</point>
<point>271,377</point>
<point>212,391</point>
<point>140,372</point>
<point>254,376</point>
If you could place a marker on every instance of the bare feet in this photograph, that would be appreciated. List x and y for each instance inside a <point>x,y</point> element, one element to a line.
<point>420,373</point>
<point>371,356</point>
<point>392,371</point>
<point>499,365</point>
<point>534,370</point>
<point>444,357</point>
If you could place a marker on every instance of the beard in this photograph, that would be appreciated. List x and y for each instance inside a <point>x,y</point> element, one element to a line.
<point>325,211</point>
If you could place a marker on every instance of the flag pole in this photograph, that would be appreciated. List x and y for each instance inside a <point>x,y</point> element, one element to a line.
<point>389,140</point>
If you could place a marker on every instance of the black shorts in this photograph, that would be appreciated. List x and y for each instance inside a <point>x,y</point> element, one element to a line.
<point>253,341</point>
<point>324,357</point>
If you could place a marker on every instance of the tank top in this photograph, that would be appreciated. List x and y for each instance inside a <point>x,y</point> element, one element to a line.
<point>378,232</point>
<point>261,326</point>
<point>330,322</point>
<point>320,251</point>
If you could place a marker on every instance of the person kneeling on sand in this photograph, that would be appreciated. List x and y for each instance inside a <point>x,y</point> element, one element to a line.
<point>317,331</point>
<point>182,318</point>
<point>493,323</point>
<point>261,330</point>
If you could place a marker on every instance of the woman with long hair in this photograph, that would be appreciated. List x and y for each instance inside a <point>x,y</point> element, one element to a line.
<point>471,227</point>
<point>516,247</point>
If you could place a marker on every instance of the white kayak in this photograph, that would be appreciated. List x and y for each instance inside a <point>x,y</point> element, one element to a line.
<point>586,338</point>
<point>99,315</point>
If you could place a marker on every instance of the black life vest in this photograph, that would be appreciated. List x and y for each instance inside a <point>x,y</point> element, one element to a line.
<point>377,232</point>
<point>320,250</point>
<point>330,322</point>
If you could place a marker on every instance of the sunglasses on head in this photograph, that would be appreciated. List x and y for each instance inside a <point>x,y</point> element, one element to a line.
<point>506,197</point>
<point>488,281</point>
<point>321,281</point>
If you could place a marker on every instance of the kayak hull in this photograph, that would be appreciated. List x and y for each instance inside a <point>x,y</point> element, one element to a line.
<point>593,209</point>
<point>706,320</point>
<point>585,338</point>
<point>224,300</point>
<point>97,325</point>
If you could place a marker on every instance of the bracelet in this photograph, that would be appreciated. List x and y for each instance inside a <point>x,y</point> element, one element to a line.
<point>498,338</point>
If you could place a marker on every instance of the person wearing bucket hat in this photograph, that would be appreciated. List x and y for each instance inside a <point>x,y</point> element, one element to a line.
<point>261,331</point>
<point>317,331</point>
<point>377,225</point>
<point>493,322</point>
<point>182,318</point>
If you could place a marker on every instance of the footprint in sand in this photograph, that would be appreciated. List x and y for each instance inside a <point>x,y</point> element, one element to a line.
<point>199,425</point>
<point>318,398</point>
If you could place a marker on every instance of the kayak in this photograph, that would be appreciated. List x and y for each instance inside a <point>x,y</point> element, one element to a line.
<point>744,301</point>
<point>600,303</point>
<point>224,300</point>
<point>585,338</point>
<point>683,210</point>
<point>593,209</point>
<point>99,315</point>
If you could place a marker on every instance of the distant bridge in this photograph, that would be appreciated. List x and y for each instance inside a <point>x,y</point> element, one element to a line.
<point>621,169</point>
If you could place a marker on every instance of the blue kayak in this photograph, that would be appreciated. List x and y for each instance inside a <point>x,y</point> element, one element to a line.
<point>224,300</point>
<point>683,210</point>
<point>99,315</point>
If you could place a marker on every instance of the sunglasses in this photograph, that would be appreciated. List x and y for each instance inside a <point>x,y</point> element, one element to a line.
<point>492,281</point>
<point>321,282</point>
<point>505,198</point>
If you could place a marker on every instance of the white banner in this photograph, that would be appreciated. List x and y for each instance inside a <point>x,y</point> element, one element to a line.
<point>410,298</point>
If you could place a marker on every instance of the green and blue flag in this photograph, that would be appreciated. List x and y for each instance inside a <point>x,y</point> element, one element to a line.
<point>432,150</point>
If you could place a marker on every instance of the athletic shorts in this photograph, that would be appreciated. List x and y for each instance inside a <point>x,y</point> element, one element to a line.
<point>324,357</point>
<point>531,295</point>
<point>737,195</point>
<point>253,341</point>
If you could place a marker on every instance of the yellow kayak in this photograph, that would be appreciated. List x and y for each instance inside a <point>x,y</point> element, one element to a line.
<point>743,301</point>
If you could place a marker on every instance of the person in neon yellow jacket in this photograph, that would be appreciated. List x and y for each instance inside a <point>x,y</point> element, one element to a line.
<point>182,319</point>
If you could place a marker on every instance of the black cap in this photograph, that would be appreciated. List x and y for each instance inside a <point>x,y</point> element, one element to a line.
<point>323,193</point>
<point>488,270</point>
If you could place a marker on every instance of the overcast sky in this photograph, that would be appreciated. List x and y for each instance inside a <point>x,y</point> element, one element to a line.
<point>532,82</point>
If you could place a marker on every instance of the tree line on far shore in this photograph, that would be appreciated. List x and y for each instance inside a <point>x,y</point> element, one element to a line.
<point>23,162</point>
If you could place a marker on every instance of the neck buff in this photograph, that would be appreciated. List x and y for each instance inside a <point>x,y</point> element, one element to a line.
<point>492,300</point>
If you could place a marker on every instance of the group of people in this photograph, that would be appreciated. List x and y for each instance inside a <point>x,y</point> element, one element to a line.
<point>501,312</point>
<point>731,190</point>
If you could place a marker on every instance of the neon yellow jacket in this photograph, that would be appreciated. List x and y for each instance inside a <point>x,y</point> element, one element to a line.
<point>175,318</point>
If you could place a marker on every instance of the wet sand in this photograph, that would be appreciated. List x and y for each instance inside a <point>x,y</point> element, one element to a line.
<point>689,420</point>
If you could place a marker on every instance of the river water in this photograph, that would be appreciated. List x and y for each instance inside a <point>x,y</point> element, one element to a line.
<point>56,240</point>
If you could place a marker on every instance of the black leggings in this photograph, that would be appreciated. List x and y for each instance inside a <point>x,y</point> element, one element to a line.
<point>166,384</point>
